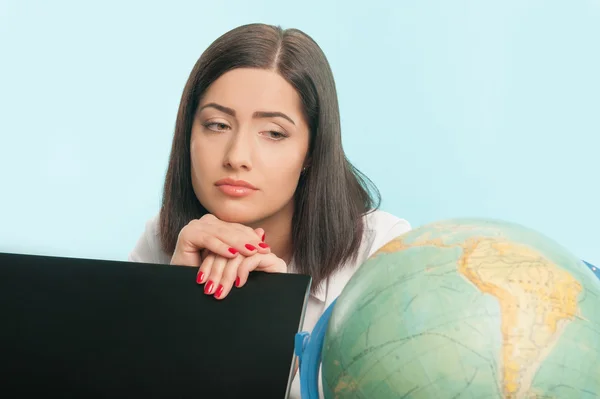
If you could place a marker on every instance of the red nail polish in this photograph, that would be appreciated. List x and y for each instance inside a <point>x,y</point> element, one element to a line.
<point>208,287</point>
<point>250,247</point>
<point>219,291</point>
<point>233,250</point>
<point>237,281</point>
<point>263,237</point>
<point>200,277</point>
<point>263,245</point>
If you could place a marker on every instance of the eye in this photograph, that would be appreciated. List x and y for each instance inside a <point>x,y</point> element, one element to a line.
<point>275,135</point>
<point>216,126</point>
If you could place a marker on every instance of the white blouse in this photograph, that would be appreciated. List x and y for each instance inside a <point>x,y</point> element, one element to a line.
<point>380,228</point>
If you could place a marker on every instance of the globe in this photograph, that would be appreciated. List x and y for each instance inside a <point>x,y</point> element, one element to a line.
<point>466,308</point>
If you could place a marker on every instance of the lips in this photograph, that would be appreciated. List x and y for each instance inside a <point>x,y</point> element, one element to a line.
<point>235,183</point>
<point>235,188</point>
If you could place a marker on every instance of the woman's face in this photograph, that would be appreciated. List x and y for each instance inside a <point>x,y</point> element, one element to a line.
<point>249,143</point>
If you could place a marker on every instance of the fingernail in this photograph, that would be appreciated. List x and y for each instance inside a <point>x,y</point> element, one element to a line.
<point>263,245</point>
<point>200,277</point>
<point>237,281</point>
<point>219,291</point>
<point>263,237</point>
<point>250,247</point>
<point>233,250</point>
<point>208,288</point>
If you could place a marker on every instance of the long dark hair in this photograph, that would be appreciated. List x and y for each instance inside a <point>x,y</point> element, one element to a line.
<point>332,195</point>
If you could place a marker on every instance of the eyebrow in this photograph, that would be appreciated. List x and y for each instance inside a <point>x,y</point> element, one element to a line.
<point>257,114</point>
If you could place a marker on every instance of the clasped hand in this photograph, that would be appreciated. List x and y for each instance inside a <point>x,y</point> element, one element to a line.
<point>225,253</point>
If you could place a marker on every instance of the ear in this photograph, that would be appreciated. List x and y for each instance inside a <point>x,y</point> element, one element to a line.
<point>306,165</point>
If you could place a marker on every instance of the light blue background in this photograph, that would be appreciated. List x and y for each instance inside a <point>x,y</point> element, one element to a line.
<point>453,108</point>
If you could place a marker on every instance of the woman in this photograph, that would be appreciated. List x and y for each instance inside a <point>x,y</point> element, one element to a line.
<point>257,177</point>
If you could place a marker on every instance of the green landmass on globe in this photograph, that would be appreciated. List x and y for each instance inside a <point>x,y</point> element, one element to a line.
<point>466,308</point>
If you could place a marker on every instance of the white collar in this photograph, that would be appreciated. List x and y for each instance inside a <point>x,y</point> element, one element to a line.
<point>321,293</point>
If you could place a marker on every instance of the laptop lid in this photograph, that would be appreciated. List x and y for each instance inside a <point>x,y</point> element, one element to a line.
<point>98,329</point>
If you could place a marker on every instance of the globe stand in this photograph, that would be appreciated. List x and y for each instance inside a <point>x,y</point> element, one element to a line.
<point>308,348</point>
<point>594,269</point>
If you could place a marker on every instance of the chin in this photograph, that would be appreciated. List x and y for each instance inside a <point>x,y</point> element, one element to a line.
<point>237,213</point>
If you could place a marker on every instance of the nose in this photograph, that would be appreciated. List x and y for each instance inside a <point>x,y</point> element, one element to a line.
<point>238,154</point>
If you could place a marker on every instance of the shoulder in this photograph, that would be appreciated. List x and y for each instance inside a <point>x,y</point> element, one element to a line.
<point>148,248</point>
<point>380,228</point>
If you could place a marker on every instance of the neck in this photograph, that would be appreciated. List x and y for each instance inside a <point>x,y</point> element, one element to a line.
<point>278,233</point>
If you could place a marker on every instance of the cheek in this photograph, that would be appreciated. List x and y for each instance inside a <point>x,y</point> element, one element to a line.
<point>200,159</point>
<point>194,156</point>
<point>282,169</point>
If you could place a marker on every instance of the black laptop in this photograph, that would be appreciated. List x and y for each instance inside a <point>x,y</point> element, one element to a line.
<point>105,329</point>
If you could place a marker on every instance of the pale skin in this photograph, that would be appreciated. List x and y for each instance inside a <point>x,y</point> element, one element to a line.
<point>249,126</point>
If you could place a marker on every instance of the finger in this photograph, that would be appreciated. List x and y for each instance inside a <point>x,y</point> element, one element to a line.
<point>260,233</point>
<point>228,277</point>
<point>191,240</point>
<point>267,263</point>
<point>222,238</point>
<point>214,278</point>
<point>263,247</point>
<point>239,237</point>
<point>242,238</point>
<point>205,268</point>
